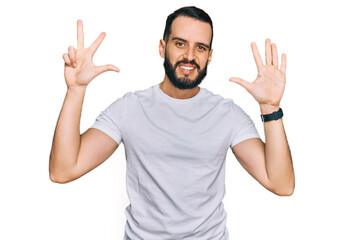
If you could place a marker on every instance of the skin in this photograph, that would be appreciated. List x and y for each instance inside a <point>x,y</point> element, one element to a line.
<point>73,155</point>
<point>270,163</point>
<point>188,40</point>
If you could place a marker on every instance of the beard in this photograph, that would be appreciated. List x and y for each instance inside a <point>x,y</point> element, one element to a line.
<point>183,82</point>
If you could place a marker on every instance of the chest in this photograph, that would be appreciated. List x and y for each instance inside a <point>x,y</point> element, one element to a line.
<point>174,136</point>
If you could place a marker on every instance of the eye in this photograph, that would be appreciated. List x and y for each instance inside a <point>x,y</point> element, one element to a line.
<point>180,44</point>
<point>202,48</point>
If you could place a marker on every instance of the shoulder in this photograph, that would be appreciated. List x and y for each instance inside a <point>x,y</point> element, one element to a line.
<point>216,99</point>
<point>139,94</point>
<point>132,95</point>
<point>227,105</point>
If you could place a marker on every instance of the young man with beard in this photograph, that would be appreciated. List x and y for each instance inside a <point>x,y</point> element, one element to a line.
<point>176,134</point>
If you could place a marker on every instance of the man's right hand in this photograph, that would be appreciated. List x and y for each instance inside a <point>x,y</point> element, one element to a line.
<point>79,69</point>
<point>74,154</point>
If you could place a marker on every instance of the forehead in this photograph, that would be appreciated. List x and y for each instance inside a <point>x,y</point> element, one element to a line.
<point>191,29</point>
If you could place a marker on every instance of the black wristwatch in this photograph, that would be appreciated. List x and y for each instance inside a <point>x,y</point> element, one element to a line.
<point>272,116</point>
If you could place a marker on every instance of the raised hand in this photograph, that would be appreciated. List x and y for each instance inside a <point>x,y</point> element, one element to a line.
<point>79,69</point>
<point>268,87</point>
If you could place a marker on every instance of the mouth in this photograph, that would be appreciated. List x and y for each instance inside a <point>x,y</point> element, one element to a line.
<point>187,69</point>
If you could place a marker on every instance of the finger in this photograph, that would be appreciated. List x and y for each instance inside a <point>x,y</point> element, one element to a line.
<point>105,68</point>
<point>93,48</point>
<point>80,35</point>
<point>256,54</point>
<point>66,59</point>
<point>283,65</point>
<point>241,82</point>
<point>72,57</point>
<point>275,55</point>
<point>268,52</point>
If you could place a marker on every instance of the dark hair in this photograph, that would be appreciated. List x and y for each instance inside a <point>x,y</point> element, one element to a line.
<point>192,12</point>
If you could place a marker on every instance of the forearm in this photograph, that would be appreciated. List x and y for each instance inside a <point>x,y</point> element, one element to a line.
<point>278,160</point>
<point>66,141</point>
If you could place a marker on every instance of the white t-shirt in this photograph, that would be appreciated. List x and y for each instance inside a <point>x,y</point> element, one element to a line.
<point>175,152</point>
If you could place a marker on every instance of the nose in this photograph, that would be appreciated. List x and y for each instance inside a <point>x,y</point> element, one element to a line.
<point>189,54</point>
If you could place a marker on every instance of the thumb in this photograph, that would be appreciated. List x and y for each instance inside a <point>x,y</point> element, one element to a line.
<point>105,68</point>
<point>245,84</point>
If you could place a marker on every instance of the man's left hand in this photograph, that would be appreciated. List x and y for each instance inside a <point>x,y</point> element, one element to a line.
<point>268,87</point>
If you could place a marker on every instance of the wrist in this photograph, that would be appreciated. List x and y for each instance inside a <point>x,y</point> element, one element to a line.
<point>268,109</point>
<point>76,90</point>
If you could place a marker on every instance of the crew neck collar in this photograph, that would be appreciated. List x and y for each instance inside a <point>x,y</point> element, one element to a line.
<point>176,100</point>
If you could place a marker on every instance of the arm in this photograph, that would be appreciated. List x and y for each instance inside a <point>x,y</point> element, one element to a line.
<point>270,163</point>
<point>72,155</point>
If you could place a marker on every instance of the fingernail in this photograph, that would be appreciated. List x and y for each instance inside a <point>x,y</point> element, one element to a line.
<point>74,64</point>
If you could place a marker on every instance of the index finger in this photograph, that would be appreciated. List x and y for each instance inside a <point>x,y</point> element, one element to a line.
<point>93,48</point>
<point>256,54</point>
<point>80,35</point>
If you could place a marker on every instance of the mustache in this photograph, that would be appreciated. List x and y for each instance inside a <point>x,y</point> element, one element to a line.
<point>188,62</point>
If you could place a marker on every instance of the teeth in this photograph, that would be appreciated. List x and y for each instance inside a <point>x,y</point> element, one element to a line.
<point>187,68</point>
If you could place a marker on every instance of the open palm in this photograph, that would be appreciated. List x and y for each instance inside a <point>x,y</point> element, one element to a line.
<point>269,85</point>
<point>79,69</point>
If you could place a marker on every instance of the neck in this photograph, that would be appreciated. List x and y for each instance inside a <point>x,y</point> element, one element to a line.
<point>172,91</point>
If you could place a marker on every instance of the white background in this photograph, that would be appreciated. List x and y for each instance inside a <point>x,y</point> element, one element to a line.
<point>322,40</point>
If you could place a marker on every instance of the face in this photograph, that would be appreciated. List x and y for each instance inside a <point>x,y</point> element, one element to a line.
<point>187,52</point>
<point>183,82</point>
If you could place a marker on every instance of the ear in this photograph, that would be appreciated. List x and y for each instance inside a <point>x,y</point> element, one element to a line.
<point>210,56</point>
<point>162,48</point>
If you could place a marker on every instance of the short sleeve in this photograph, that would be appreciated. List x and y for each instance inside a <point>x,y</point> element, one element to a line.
<point>109,121</point>
<point>243,126</point>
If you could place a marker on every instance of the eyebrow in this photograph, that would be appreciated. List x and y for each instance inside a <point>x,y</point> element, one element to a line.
<point>183,40</point>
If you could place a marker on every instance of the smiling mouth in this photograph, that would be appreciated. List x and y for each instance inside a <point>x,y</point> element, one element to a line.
<point>187,70</point>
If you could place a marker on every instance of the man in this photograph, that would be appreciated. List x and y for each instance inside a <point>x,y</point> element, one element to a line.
<point>176,134</point>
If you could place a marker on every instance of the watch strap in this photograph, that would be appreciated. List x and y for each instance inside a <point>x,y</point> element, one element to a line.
<point>272,116</point>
